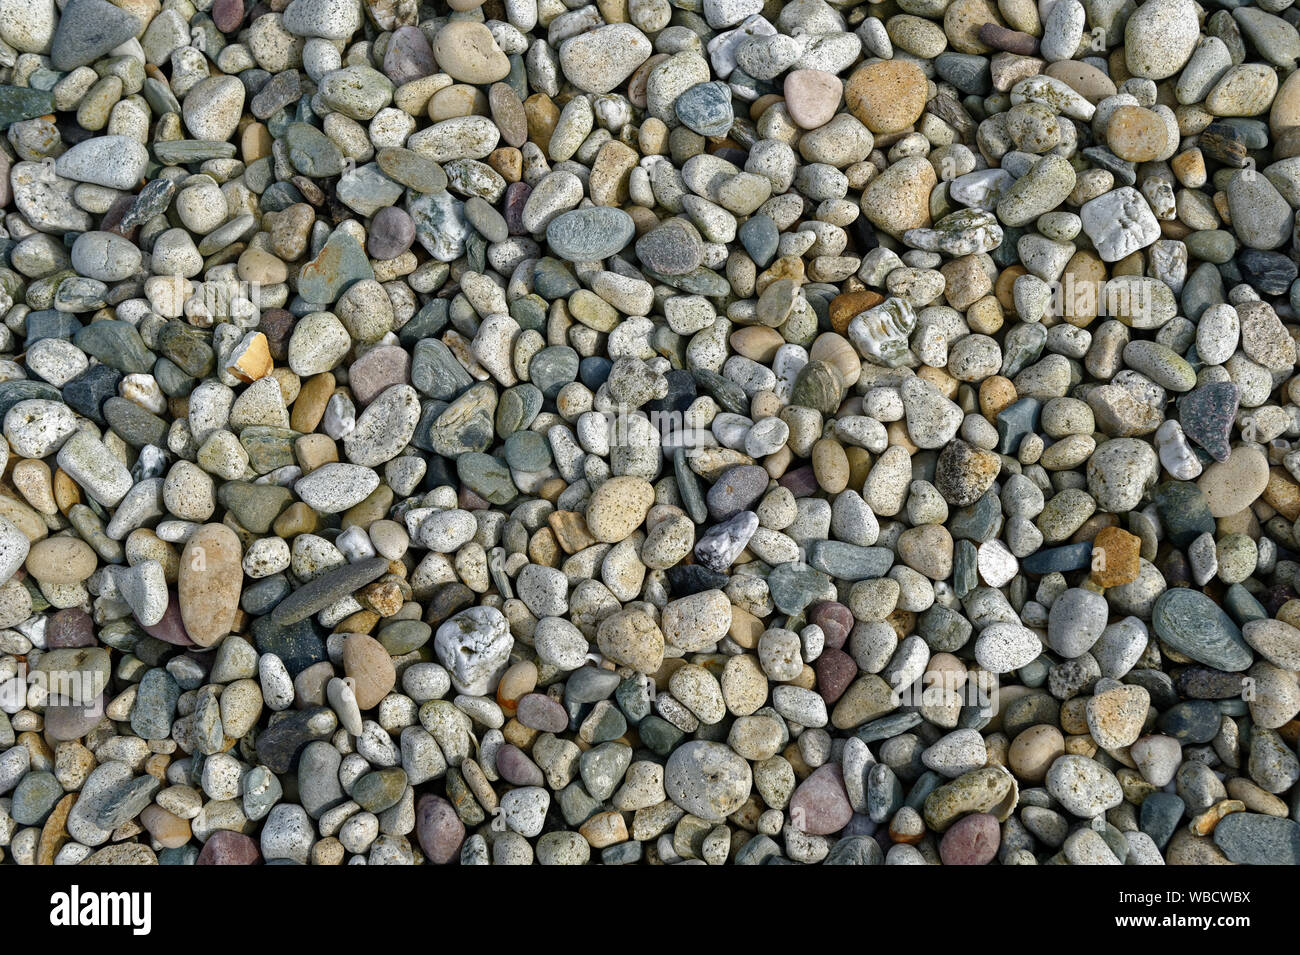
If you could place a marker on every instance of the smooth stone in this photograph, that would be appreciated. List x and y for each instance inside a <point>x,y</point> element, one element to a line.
<point>1194,625</point>
<point>325,590</point>
<point>87,30</point>
<point>707,779</point>
<point>584,235</point>
<point>1250,838</point>
<point>209,583</point>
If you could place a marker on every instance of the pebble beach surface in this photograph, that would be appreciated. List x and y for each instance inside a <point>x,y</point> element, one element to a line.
<point>649,432</point>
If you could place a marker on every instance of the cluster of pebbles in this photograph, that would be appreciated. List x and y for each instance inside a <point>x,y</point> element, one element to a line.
<point>650,431</point>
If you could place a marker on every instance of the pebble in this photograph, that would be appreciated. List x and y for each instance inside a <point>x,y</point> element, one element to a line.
<point>597,61</point>
<point>1159,40</point>
<point>1249,838</point>
<point>1083,786</point>
<point>468,52</point>
<point>1190,623</point>
<point>812,96</point>
<point>209,584</point>
<point>972,840</point>
<point>887,96</point>
<point>587,234</point>
<point>707,779</point>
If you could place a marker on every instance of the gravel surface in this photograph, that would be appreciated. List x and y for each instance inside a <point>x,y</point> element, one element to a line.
<point>649,432</point>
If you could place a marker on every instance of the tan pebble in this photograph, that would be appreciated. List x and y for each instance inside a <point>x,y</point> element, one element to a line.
<point>765,404</point>
<point>1236,483</point>
<point>1204,824</point>
<point>209,583</point>
<point>1285,112</point>
<point>66,491</point>
<point>518,734</point>
<point>1081,746</point>
<point>899,198</point>
<point>1136,134</point>
<point>1084,78</point>
<point>519,680</point>
<point>1084,276</point>
<point>830,465</point>
<point>604,829</point>
<point>309,407</point>
<point>745,628</point>
<point>962,21</point>
<point>297,519</point>
<point>459,99</point>
<point>240,707</point>
<point>54,834</point>
<point>328,851</point>
<point>1074,715</point>
<point>1034,750</point>
<point>986,316</point>
<point>1282,494</point>
<point>314,450</point>
<point>262,267</point>
<point>570,531</point>
<point>170,831</point>
<point>1120,561</point>
<point>33,480</point>
<point>608,182</point>
<point>367,662</point>
<point>888,96</point>
<point>254,142</point>
<point>143,544</point>
<point>1254,798</point>
<point>61,560</point>
<point>757,342</point>
<point>1189,167</point>
<point>744,684</point>
<point>508,163</point>
<point>24,518</point>
<point>542,115</point>
<point>466,50</point>
<point>631,638</point>
<point>383,597</point>
<point>618,507</point>
<point>1187,848</point>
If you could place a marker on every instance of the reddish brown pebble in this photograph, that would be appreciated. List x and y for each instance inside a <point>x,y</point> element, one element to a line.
<point>517,769</point>
<point>228,15</point>
<point>820,805</point>
<point>225,847</point>
<point>438,829</point>
<point>835,619</point>
<point>517,194</point>
<point>801,482</point>
<point>539,712</point>
<point>70,628</point>
<point>171,629</point>
<point>471,501</point>
<point>973,840</point>
<point>409,56</point>
<point>377,370</point>
<point>112,221</point>
<point>277,325</point>
<point>835,670</point>
<point>1011,41</point>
